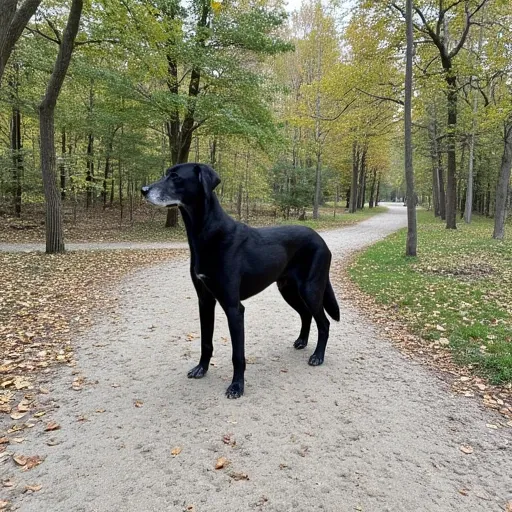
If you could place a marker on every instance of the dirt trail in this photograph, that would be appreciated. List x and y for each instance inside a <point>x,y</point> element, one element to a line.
<point>367,431</point>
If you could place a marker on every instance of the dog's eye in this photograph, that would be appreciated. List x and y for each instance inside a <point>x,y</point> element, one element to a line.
<point>175,177</point>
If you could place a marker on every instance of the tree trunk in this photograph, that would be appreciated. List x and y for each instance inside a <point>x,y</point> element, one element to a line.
<point>442,193</point>
<point>318,183</point>
<point>502,188</point>
<point>451,175</point>
<point>355,174</point>
<point>17,160</point>
<point>106,174</point>
<point>411,245</point>
<point>54,228</point>
<point>372,187</point>
<point>468,210</point>
<point>377,195</point>
<point>62,165</point>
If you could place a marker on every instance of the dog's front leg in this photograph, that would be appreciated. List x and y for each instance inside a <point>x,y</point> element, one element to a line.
<point>235,316</point>
<point>207,318</point>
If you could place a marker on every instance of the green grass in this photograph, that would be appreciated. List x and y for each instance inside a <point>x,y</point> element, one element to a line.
<point>459,288</point>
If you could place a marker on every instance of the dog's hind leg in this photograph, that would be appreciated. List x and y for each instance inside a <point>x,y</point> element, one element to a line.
<point>289,291</point>
<point>312,292</point>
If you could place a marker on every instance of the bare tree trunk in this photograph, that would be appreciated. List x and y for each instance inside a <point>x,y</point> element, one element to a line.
<point>17,160</point>
<point>412,237</point>
<point>355,174</point>
<point>62,165</point>
<point>377,195</point>
<point>468,210</point>
<point>54,228</point>
<point>451,178</point>
<point>372,187</point>
<point>502,187</point>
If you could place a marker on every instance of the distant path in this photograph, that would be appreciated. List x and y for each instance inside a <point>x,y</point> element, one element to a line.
<point>104,246</point>
<point>368,431</point>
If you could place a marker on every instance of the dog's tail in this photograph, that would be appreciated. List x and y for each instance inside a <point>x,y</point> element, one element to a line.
<point>330,303</point>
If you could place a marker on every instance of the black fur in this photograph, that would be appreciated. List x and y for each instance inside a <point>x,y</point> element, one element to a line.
<point>231,262</point>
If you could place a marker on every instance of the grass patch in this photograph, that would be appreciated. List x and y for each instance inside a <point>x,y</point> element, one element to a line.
<point>458,290</point>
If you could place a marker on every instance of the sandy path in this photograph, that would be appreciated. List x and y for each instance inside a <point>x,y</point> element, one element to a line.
<point>367,431</point>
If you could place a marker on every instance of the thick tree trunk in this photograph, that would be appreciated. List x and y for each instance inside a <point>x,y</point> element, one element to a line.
<point>54,228</point>
<point>411,244</point>
<point>451,173</point>
<point>502,188</point>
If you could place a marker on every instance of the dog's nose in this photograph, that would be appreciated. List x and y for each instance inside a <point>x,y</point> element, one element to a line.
<point>144,191</point>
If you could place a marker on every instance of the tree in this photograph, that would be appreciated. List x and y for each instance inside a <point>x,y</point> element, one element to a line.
<point>436,29</point>
<point>503,185</point>
<point>54,228</point>
<point>13,20</point>
<point>412,235</point>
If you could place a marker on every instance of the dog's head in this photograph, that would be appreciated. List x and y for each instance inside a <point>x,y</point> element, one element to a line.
<point>182,185</point>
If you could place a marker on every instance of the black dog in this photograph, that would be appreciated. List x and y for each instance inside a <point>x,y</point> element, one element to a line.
<point>231,262</point>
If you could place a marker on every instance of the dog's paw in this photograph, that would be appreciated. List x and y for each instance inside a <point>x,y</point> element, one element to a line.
<point>197,372</point>
<point>235,390</point>
<point>315,360</point>
<point>300,344</point>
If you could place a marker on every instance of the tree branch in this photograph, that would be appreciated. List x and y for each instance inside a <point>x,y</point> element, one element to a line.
<point>383,98</point>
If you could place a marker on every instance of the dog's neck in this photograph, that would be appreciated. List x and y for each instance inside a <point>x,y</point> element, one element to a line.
<point>204,220</point>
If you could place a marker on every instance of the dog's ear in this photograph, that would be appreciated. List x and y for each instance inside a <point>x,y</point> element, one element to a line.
<point>208,178</point>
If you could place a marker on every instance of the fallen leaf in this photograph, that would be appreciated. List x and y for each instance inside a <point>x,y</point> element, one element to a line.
<point>226,439</point>
<point>20,459</point>
<point>100,410</point>
<point>239,476</point>
<point>191,508</point>
<point>44,391</point>
<point>39,414</point>
<point>494,427</point>
<point>221,463</point>
<point>138,403</point>
<point>33,488</point>
<point>8,483</point>
<point>32,462</point>
<point>18,415</point>
<point>4,440</point>
<point>508,506</point>
<point>3,504</point>
<point>466,448</point>
<point>53,425</point>
<point>18,439</point>
<point>20,383</point>
<point>440,328</point>
<point>481,387</point>
<point>176,451</point>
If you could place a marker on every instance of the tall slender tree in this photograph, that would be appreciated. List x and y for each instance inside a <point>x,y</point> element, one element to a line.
<point>412,236</point>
